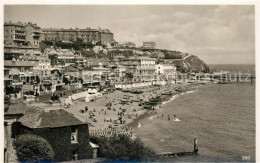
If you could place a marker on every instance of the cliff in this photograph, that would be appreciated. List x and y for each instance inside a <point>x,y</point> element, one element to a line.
<point>183,61</point>
<point>190,63</point>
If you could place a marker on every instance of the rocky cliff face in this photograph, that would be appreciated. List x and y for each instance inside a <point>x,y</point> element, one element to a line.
<point>183,61</point>
<point>190,63</point>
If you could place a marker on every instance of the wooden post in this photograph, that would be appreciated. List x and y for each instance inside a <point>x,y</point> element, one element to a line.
<point>175,77</point>
<point>196,149</point>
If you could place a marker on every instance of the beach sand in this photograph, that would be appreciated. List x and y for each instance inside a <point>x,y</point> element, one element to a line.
<point>134,113</point>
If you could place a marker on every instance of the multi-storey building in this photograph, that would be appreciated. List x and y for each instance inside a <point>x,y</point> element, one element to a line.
<point>15,51</point>
<point>143,68</point>
<point>165,69</point>
<point>66,56</point>
<point>14,33</point>
<point>128,45</point>
<point>33,34</point>
<point>149,45</point>
<point>89,35</point>
<point>105,36</point>
<point>65,35</point>
<point>22,33</point>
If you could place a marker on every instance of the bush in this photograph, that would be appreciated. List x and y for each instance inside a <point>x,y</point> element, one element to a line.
<point>32,147</point>
<point>122,147</point>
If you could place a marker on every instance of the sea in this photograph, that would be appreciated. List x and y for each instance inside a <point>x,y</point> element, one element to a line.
<point>234,68</point>
<point>220,116</point>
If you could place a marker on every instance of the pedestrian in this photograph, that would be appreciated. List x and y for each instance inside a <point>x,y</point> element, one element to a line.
<point>169,118</point>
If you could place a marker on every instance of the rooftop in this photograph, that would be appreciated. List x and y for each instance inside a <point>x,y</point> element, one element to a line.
<point>16,108</point>
<point>36,117</point>
<point>19,63</point>
<point>21,46</point>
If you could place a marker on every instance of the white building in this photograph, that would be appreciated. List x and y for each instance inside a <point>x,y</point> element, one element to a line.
<point>128,45</point>
<point>63,55</point>
<point>43,68</point>
<point>149,45</point>
<point>166,70</point>
<point>98,49</point>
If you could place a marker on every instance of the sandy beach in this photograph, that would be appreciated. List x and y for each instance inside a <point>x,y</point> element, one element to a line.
<point>105,117</point>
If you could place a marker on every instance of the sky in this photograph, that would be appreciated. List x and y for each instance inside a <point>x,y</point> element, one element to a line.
<point>217,34</point>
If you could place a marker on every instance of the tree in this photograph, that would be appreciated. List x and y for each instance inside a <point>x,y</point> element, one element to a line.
<point>66,80</point>
<point>54,59</point>
<point>122,147</point>
<point>129,75</point>
<point>33,147</point>
<point>99,43</point>
<point>38,79</point>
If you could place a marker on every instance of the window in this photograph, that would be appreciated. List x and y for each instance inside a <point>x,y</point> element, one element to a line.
<point>74,135</point>
<point>74,156</point>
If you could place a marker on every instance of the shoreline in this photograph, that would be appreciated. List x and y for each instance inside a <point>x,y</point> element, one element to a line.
<point>167,99</point>
<point>196,118</point>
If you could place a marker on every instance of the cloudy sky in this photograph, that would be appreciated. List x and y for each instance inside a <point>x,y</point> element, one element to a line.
<point>216,34</point>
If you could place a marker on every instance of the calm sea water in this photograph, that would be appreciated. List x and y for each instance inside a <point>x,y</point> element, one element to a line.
<point>234,68</point>
<point>221,117</point>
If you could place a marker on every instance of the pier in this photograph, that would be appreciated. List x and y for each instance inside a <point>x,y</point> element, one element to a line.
<point>234,78</point>
<point>181,154</point>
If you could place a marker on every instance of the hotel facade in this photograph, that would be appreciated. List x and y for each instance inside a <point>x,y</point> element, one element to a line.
<point>22,33</point>
<point>105,36</point>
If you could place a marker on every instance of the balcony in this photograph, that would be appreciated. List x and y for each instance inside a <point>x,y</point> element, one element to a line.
<point>19,39</point>
<point>36,34</point>
<point>17,83</point>
<point>20,32</point>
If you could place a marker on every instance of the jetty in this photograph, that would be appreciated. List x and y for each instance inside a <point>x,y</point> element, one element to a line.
<point>181,154</point>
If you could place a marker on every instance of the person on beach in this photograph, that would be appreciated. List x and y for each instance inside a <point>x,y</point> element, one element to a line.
<point>169,118</point>
<point>185,99</point>
<point>162,115</point>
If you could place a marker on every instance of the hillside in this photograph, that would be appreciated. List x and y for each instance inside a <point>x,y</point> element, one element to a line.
<point>183,61</point>
<point>189,63</point>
